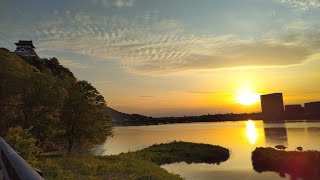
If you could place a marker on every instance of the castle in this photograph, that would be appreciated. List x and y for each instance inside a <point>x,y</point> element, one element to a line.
<point>25,48</point>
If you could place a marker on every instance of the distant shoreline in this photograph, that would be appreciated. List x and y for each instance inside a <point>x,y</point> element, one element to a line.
<point>179,121</point>
<point>123,119</point>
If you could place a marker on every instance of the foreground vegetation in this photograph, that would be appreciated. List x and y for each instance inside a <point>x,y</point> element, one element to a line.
<point>142,164</point>
<point>43,101</point>
<point>304,165</point>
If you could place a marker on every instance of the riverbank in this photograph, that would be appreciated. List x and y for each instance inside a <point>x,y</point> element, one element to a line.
<point>142,164</point>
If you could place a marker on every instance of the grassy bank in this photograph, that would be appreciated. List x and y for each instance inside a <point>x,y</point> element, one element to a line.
<point>183,151</point>
<point>297,164</point>
<point>143,164</point>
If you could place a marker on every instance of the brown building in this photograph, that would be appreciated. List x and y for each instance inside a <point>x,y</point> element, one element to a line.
<point>25,48</point>
<point>312,108</point>
<point>272,105</point>
<point>294,109</point>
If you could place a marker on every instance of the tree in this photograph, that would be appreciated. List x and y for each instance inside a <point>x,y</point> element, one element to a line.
<point>43,100</point>
<point>23,142</point>
<point>13,74</point>
<point>84,118</point>
<point>44,95</point>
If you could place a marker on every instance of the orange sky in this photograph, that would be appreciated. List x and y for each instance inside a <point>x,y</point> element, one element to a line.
<point>156,58</point>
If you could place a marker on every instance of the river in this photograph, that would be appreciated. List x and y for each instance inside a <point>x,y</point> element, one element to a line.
<point>241,137</point>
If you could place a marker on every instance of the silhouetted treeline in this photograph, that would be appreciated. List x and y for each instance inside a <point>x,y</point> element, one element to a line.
<point>122,119</point>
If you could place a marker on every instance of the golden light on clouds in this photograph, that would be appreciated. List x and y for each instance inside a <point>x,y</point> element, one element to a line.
<point>246,96</point>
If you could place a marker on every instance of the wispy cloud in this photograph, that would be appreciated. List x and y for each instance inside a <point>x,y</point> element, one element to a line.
<point>201,92</point>
<point>161,46</point>
<point>114,3</point>
<point>103,82</point>
<point>146,96</point>
<point>302,4</point>
<point>206,92</point>
<point>74,64</point>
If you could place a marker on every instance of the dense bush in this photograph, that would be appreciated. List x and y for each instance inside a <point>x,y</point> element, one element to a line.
<point>24,143</point>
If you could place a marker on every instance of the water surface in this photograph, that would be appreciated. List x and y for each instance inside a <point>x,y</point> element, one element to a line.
<point>241,137</point>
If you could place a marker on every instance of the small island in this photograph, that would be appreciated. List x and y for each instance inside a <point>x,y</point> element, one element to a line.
<point>142,164</point>
<point>303,165</point>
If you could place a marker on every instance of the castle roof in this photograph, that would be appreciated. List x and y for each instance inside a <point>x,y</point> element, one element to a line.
<point>25,43</point>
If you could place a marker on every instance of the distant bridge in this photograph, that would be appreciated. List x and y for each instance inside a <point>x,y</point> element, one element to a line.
<point>13,166</point>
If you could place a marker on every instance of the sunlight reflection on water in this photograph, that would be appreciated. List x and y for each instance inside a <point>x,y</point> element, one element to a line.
<point>251,131</point>
<point>241,137</point>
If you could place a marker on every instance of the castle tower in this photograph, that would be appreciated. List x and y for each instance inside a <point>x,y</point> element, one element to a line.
<point>25,48</point>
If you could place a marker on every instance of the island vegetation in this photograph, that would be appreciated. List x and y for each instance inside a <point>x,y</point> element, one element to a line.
<point>142,164</point>
<point>303,165</point>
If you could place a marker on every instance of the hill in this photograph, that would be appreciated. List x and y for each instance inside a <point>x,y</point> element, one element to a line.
<point>122,119</point>
<point>42,97</point>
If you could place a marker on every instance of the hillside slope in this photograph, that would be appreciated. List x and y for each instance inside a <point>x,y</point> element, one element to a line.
<point>120,118</point>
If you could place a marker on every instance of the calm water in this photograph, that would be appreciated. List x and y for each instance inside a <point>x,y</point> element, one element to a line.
<point>240,137</point>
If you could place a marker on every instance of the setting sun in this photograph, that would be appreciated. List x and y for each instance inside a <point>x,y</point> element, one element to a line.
<point>246,96</point>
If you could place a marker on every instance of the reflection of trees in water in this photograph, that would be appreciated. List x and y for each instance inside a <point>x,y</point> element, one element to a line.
<point>275,135</point>
<point>298,165</point>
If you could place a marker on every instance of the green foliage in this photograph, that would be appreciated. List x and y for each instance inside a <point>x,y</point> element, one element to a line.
<point>84,117</point>
<point>45,95</point>
<point>143,164</point>
<point>43,100</point>
<point>110,167</point>
<point>23,142</point>
<point>183,151</point>
<point>13,74</point>
<point>53,170</point>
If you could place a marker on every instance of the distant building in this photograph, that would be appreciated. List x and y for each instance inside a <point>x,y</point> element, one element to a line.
<point>294,109</point>
<point>25,48</point>
<point>312,108</point>
<point>272,105</point>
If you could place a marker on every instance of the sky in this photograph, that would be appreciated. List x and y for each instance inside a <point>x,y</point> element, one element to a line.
<point>176,57</point>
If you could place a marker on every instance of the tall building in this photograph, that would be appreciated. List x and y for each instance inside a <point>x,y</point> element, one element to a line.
<point>25,48</point>
<point>272,105</point>
<point>312,108</point>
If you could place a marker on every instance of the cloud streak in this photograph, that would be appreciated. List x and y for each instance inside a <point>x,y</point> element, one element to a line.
<point>73,64</point>
<point>302,4</point>
<point>115,3</point>
<point>159,46</point>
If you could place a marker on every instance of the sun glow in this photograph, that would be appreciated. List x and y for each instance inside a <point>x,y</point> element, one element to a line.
<point>246,96</point>
<point>251,131</point>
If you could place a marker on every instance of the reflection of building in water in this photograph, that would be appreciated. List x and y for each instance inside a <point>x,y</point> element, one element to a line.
<point>275,134</point>
<point>272,105</point>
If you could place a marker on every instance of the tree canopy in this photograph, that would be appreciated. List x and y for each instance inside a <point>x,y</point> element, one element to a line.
<point>60,111</point>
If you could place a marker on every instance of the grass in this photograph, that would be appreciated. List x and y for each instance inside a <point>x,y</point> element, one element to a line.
<point>183,151</point>
<point>298,164</point>
<point>143,164</point>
